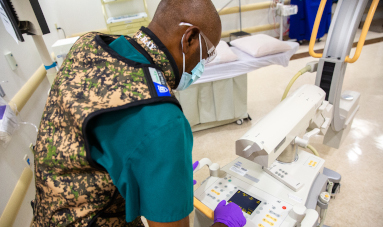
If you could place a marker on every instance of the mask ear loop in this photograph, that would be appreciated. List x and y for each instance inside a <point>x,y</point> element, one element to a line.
<point>200,47</point>
<point>183,54</point>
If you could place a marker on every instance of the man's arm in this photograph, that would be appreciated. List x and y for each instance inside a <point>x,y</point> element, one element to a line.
<point>181,223</point>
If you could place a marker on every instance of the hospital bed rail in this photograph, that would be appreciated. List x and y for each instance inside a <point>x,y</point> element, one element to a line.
<point>17,103</point>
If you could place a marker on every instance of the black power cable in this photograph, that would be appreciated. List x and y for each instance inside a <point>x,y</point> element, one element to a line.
<point>59,28</point>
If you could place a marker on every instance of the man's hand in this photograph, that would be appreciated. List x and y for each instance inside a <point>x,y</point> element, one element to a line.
<point>230,215</point>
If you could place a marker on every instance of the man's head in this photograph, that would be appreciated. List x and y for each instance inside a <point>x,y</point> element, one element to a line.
<point>166,26</point>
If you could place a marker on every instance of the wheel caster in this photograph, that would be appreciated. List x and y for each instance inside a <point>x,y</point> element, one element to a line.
<point>239,121</point>
<point>248,117</point>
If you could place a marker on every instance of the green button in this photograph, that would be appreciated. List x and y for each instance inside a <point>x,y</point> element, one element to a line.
<point>229,180</point>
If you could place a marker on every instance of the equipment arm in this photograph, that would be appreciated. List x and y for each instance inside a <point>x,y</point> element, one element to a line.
<point>366,27</point>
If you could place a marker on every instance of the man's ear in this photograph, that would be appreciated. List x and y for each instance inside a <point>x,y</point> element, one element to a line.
<point>191,40</point>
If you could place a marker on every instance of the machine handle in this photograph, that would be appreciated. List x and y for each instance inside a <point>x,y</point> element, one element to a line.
<point>204,209</point>
<point>314,32</point>
<point>363,35</point>
<point>214,171</point>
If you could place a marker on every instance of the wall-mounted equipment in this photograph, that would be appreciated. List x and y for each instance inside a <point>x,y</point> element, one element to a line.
<point>11,60</point>
<point>26,17</point>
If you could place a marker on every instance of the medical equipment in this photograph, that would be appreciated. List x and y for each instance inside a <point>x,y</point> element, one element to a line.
<point>220,96</point>
<point>27,17</point>
<point>282,181</point>
<point>284,11</point>
<point>61,48</point>
<point>273,182</point>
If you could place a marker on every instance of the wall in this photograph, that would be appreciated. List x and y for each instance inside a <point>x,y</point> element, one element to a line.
<point>74,16</point>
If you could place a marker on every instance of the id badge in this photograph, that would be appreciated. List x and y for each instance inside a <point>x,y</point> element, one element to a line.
<point>159,82</point>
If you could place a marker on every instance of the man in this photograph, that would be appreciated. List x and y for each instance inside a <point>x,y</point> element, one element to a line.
<point>113,143</point>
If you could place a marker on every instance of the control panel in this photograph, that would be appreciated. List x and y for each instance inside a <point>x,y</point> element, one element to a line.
<point>259,207</point>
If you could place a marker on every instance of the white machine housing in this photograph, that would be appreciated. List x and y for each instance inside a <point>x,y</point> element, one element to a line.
<point>275,200</point>
<point>264,142</point>
<point>62,47</point>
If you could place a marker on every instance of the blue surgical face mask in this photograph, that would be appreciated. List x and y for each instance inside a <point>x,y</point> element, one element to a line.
<point>188,79</point>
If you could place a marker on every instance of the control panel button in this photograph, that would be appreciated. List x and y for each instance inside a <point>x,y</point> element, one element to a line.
<point>284,207</point>
<point>272,218</point>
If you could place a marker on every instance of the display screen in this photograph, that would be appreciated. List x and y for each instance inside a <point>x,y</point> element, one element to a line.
<point>246,202</point>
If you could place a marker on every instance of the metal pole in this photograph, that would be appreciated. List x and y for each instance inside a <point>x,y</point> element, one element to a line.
<point>281,24</point>
<point>240,16</point>
<point>45,56</point>
<point>225,6</point>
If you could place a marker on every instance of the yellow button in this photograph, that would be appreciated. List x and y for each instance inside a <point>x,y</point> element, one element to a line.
<point>326,196</point>
<point>274,219</point>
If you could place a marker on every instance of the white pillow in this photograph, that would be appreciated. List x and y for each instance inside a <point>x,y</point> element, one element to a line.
<point>224,54</point>
<point>260,45</point>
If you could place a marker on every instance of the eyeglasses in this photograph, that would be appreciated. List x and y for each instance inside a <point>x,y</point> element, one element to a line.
<point>211,51</point>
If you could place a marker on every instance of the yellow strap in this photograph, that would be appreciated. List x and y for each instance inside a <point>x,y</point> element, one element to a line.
<point>315,30</point>
<point>365,29</point>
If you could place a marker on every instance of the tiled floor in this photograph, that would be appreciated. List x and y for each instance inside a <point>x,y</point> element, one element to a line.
<point>359,159</point>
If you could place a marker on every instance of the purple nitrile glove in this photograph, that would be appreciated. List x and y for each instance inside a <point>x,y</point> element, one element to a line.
<point>230,214</point>
<point>195,166</point>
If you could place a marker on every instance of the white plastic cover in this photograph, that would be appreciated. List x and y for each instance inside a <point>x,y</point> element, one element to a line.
<point>245,64</point>
<point>8,123</point>
<point>126,18</point>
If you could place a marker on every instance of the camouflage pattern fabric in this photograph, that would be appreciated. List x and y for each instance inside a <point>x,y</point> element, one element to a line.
<point>158,56</point>
<point>70,190</point>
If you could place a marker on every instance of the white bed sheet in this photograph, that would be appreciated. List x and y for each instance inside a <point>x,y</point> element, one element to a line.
<point>245,64</point>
